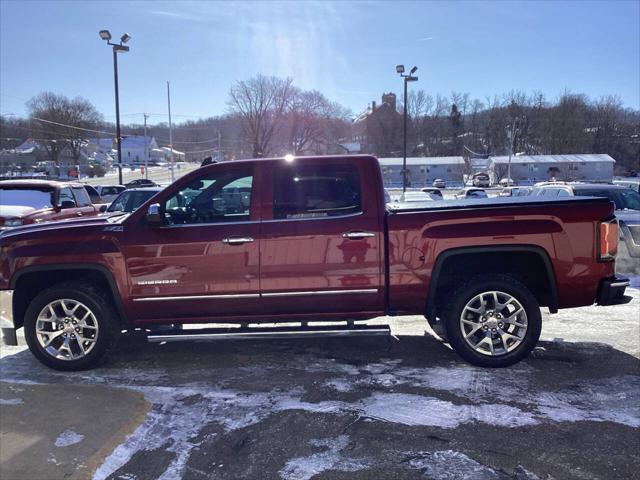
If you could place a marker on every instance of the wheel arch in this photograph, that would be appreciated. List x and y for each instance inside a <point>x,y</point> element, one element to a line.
<point>529,252</point>
<point>56,273</point>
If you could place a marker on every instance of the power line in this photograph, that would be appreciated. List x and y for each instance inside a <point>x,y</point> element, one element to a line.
<point>71,126</point>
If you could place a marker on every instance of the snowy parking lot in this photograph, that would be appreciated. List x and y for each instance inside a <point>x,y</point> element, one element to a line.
<point>401,407</point>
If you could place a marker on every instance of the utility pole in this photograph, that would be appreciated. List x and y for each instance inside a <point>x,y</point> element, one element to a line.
<point>170,133</point>
<point>219,146</point>
<point>511,135</point>
<point>146,148</point>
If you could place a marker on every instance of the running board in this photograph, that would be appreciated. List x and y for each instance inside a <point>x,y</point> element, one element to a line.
<point>268,332</point>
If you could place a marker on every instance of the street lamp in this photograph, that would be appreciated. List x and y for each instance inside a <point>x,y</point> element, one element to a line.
<point>407,78</point>
<point>117,47</point>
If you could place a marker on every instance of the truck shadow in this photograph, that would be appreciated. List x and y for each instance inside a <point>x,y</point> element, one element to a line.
<point>136,362</point>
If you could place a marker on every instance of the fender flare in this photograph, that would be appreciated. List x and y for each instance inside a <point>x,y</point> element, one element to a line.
<point>539,251</point>
<point>104,271</point>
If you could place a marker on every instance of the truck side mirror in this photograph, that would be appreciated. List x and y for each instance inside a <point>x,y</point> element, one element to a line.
<point>103,208</point>
<point>153,215</point>
<point>67,204</point>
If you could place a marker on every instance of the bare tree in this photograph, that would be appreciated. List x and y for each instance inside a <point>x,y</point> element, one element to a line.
<point>307,120</point>
<point>262,103</point>
<point>60,122</point>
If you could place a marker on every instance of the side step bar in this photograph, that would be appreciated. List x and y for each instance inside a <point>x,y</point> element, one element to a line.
<point>268,333</point>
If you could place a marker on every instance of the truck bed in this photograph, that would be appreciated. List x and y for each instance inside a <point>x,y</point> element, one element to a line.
<point>479,203</point>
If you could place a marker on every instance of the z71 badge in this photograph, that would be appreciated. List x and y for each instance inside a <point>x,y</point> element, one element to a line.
<point>157,282</point>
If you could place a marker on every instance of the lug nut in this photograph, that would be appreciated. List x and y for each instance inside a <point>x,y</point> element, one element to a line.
<point>500,324</point>
<point>493,329</point>
<point>485,327</point>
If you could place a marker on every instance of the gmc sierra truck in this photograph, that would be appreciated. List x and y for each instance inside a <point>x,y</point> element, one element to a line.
<point>306,239</point>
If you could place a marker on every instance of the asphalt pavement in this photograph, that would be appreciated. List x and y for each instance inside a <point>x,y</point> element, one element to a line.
<point>398,407</point>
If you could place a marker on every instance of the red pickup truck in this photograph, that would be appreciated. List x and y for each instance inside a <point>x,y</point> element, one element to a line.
<point>302,240</point>
<point>23,202</point>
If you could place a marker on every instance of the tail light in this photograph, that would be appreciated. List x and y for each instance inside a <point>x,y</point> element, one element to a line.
<point>608,240</point>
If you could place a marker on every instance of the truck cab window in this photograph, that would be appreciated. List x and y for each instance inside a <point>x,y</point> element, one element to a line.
<point>215,198</point>
<point>315,191</point>
<point>82,197</point>
<point>66,196</point>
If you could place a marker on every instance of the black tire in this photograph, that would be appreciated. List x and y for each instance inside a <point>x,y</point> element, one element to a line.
<point>96,300</point>
<point>480,284</point>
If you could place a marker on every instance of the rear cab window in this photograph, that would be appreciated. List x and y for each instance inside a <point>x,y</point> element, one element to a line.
<point>315,191</point>
<point>33,197</point>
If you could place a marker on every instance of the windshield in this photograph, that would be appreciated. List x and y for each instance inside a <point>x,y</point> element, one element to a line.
<point>23,197</point>
<point>129,200</point>
<point>477,194</point>
<point>622,198</point>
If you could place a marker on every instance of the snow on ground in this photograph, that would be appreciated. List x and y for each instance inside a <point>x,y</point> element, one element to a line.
<point>67,438</point>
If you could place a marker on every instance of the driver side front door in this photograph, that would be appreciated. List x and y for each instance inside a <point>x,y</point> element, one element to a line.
<point>202,264</point>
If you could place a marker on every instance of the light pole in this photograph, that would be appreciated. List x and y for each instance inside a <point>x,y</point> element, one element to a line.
<point>407,78</point>
<point>511,139</point>
<point>117,47</point>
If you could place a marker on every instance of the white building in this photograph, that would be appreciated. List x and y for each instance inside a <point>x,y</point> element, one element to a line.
<point>422,171</point>
<point>133,148</point>
<point>528,169</point>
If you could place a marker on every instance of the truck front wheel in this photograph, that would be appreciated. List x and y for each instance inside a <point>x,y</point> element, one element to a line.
<point>70,326</point>
<point>493,321</point>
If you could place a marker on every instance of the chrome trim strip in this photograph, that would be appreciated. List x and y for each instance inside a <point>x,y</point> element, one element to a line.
<point>320,292</point>
<point>255,295</point>
<point>196,297</point>
<point>619,284</point>
<point>334,217</point>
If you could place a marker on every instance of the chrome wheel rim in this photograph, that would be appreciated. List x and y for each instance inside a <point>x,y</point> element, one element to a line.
<point>67,329</point>
<point>493,323</point>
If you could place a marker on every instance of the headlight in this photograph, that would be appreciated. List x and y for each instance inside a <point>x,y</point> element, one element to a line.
<point>13,222</point>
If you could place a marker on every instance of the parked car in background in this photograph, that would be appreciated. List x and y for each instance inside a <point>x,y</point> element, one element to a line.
<point>506,182</point>
<point>435,193</point>
<point>626,201</point>
<point>632,183</point>
<point>439,183</point>
<point>132,198</point>
<point>515,192</point>
<point>23,202</point>
<point>471,192</point>
<point>141,182</point>
<point>411,197</point>
<point>481,180</point>
<point>97,201</point>
<point>110,192</point>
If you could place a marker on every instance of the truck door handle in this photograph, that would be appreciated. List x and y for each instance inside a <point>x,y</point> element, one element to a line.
<point>237,240</point>
<point>358,235</point>
<point>79,214</point>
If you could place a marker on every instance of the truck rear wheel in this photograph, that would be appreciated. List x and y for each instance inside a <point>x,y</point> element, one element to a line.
<point>493,321</point>
<point>70,326</point>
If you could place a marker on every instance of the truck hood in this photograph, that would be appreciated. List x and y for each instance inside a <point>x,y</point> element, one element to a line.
<point>13,211</point>
<point>47,228</point>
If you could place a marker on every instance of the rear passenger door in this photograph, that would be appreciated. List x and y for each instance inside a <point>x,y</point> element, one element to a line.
<point>321,239</point>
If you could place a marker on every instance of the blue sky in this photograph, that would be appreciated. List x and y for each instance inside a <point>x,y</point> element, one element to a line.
<point>347,50</point>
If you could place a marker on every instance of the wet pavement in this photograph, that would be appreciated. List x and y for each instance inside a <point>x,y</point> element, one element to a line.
<point>400,407</point>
